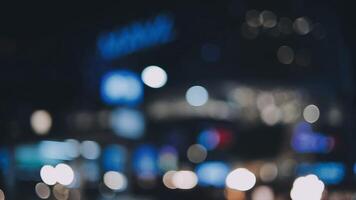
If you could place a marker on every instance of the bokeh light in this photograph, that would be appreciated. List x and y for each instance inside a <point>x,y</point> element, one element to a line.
<point>48,175</point>
<point>64,174</point>
<point>145,162</point>
<point>121,87</point>
<point>60,192</point>
<point>197,96</point>
<point>41,122</point>
<point>212,173</point>
<point>307,187</point>
<point>154,76</point>
<point>268,18</point>
<point>302,25</point>
<point>2,195</point>
<point>311,113</point>
<point>271,115</point>
<point>197,153</point>
<point>185,179</point>
<point>209,138</point>
<point>168,179</point>
<point>262,193</point>
<point>42,191</point>
<point>115,180</point>
<point>285,55</point>
<point>168,158</point>
<point>253,18</point>
<point>90,149</point>
<point>268,172</point>
<point>128,123</point>
<point>240,179</point>
<point>114,157</point>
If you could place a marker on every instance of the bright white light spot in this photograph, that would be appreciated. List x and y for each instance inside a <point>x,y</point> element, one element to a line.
<point>268,172</point>
<point>64,174</point>
<point>197,153</point>
<point>41,122</point>
<point>115,180</point>
<point>48,175</point>
<point>90,150</point>
<point>307,187</point>
<point>154,77</point>
<point>42,191</point>
<point>185,180</point>
<point>240,179</point>
<point>263,193</point>
<point>197,96</point>
<point>311,113</point>
<point>168,179</point>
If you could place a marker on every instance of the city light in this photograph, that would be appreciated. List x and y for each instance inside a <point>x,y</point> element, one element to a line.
<point>185,180</point>
<point>135,37</point>
<point>240,179</point>
<point>307,187</point>
<point>154,76</point>
<point>41,122</point>
<point>42,191</point>
<point>128,123</point>
<point>168,179</point>
<point>115,180</point>
<point>197,153</point>
<point>311,113</point>
<point>197,96</point>
<point>121,87</point>
<point>48,175</point>
<point>90,150</point>
<point>212,173</point>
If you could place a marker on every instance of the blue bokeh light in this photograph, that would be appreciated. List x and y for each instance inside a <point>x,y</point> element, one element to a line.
<point>134,37</point>
<point>209,138</point>
<point>114,158</point>
<point>328,172</point>
<point>212,173</point>
<point>145,161</point>
<point>305,140</point>
<point>128,123</point>
<point>121,87</point>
